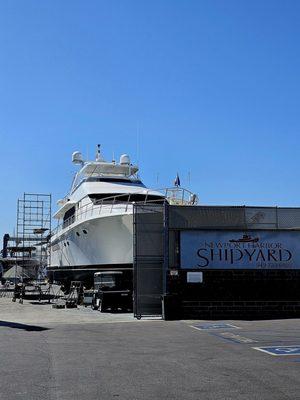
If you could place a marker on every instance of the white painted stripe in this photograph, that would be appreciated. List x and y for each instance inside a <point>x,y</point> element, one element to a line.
<point>238,338</point>
<point>234,326</point>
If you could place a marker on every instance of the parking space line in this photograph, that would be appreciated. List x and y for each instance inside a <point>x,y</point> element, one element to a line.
<point>235,338</point>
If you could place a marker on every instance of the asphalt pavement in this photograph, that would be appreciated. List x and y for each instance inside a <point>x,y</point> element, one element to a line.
<point>84,354</point>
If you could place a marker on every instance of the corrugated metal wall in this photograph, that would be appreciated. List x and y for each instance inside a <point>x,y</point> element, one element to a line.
<point>227,217</point>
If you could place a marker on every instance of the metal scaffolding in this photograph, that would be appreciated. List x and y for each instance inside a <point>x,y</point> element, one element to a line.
<point>33,233</point>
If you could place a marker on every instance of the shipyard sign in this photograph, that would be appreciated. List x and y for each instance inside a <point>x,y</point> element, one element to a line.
<point>238,249</point>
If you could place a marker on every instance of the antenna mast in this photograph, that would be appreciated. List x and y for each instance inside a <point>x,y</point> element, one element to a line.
<point>137,142</point>
<point>98,152</point>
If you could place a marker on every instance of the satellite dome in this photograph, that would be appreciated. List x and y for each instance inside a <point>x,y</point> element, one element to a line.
<point>125,159</point>
<point>77,157</point>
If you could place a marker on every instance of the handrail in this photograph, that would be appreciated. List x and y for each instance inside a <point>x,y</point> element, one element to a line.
<point>177,197</point>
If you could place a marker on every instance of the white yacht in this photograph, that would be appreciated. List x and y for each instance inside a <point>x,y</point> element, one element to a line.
<point>95,230</point>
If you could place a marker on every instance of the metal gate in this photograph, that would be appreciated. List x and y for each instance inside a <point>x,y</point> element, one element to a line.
<point>148,264</point>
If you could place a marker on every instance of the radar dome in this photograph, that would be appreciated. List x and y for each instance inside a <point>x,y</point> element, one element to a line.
<point>77,157</point>
<point>125,159</point>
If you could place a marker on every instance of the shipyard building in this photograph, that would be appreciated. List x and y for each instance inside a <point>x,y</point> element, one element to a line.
<point>216,261</point>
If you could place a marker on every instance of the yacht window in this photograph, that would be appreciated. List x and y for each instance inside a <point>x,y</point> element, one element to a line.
<point>124,197</point>
<point>84,231</point>
<point>116,180</point>
<point>77,233</point>
<point>70,213</point>
<point>69,217</point>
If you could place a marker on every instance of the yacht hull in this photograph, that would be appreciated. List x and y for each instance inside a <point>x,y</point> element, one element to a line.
<point>96,244</point>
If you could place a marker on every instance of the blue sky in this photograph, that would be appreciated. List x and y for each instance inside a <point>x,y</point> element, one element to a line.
<point>213,88</point>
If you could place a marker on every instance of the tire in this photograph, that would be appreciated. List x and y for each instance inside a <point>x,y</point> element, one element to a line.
<point>101,307</point>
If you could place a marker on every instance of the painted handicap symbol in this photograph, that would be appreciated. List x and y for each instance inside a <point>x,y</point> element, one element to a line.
<point>287,350</point>
<point>218,325</point>
<point>280,350</point>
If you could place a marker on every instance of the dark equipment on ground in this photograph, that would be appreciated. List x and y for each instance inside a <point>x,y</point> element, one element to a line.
<point>75,296</point>
<point>88,297</point>
<point>110,292</point>
<point>39,291</point>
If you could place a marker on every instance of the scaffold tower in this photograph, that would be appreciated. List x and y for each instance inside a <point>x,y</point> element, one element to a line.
<point>33,233</point>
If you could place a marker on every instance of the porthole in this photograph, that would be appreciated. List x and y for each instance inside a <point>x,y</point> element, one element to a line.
<point>84,231</point>
<point>65,245</point>
<point>68,243</point>
<point>77,233</point>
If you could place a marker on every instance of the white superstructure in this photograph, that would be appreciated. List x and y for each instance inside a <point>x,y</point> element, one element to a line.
<point>95,228</point>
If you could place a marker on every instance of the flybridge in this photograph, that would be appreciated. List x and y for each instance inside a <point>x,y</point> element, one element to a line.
<point>96,168</point>
<point>102,168</point>
<point>113,181</point>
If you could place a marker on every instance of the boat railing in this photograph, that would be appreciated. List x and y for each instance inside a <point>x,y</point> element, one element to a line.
<point>124,203</point>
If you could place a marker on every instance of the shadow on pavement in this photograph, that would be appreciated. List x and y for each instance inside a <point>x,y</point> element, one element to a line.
<point>16,325</point>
